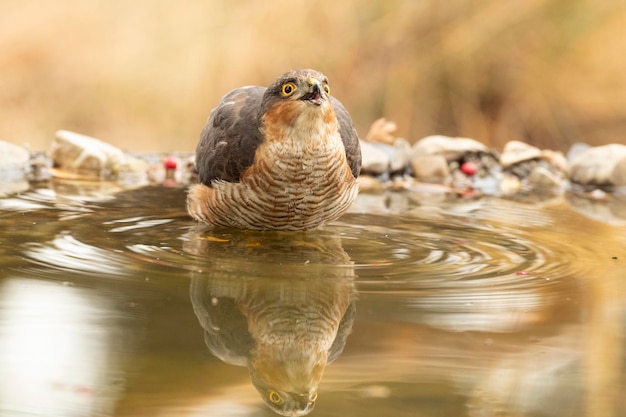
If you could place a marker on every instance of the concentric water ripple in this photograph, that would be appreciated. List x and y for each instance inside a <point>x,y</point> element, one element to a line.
<point>488,265</point>
<point>464,255</point>
<point>491,242</point>
<point>449,301</point>
<point>423,252</point>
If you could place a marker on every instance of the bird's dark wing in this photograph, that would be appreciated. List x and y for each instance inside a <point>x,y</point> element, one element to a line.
<point>345,327</point>
<point>225,328</point>
<point>349,137</point>
<point>230,138</point>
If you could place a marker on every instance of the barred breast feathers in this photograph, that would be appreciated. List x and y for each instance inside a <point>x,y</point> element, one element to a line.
<point>300,178</point>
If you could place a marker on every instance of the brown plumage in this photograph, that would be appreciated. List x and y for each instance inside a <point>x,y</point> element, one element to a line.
<point>284,324</point>
<point>284,157</point>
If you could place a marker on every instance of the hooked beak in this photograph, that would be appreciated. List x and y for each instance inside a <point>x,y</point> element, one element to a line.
<point>315,93</point>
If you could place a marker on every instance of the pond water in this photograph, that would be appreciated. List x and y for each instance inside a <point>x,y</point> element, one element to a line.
<point>118,304</point>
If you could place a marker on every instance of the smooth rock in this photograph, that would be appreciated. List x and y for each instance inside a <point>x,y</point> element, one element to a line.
<point>382,131</point>
<point>452,149</point>
<point>556,159</point>
<point>510,184</point>
<point>73,153</point>
<point>375,160</point>
<point>576,149</point>
<point>542,177</point>
<point>12,186</point>
<point>515,152</point>
<point>431,168</point>
<point>600,165</point>
<point>14,161</point>
<point>401,155</point>
<point>489,185</point>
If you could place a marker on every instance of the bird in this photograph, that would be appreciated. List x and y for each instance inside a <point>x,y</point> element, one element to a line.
<point>285,157</point>
<point>284,324</point>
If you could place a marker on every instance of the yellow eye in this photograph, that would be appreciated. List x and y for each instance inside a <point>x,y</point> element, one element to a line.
<point>275,397</point>
<point>288,89</point>
<point>313,396</point>
<point>326,88</point>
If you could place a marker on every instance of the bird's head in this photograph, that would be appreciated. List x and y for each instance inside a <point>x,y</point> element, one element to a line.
<point>287,382</point>
<point>299,94</point>
<point>306,85</point>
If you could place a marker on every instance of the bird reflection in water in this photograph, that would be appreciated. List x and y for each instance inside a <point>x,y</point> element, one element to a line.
<point>280,303</point>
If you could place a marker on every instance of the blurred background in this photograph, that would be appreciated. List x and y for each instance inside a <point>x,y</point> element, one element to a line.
<point>144,74</point>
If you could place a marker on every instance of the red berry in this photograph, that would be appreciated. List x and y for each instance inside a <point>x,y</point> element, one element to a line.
<point>170,163</point>
<point>469,168</point>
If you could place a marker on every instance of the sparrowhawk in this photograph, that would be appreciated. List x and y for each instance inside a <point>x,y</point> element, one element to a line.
<point>284,157</point>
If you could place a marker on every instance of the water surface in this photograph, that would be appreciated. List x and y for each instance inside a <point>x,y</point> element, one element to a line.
<point>118,304</point>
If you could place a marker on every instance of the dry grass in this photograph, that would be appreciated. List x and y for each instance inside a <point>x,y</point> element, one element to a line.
<point>145,74</point>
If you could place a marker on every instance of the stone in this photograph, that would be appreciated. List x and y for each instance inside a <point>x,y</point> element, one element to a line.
<point>12,186</point>
<point>556,159</point>
<point>382,151</point>
<point>488,185</point>
<point>576,149</point>
<point>76,154</point>
<point>375,159</point>
<point>515,152</point>
<point>430,168</point>
<point>382,131</point>
<point>541,177</point>
<point>401,155</point>
<point>39,167</point>
<point>14,161</point>
<point>451,148</point>
<point>601,166</point>
<point>510,184</point>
